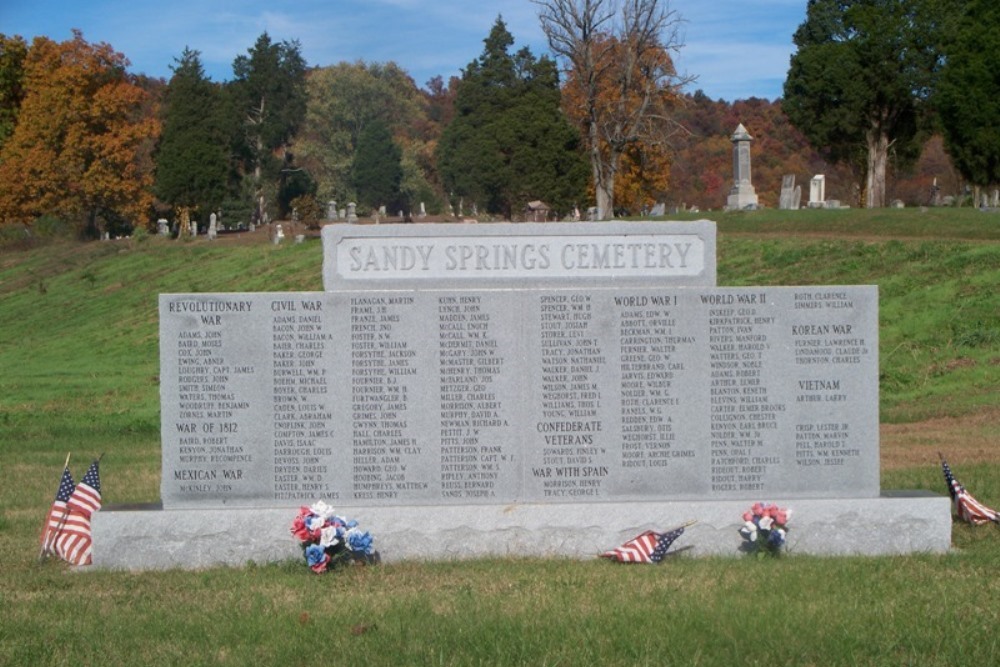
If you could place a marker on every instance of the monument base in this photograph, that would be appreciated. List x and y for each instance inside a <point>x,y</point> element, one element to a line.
<point>898,522</point>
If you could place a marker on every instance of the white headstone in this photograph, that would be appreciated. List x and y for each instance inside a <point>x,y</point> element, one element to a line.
<point>817,191</point>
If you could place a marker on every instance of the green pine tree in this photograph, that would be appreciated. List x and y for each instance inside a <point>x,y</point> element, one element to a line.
<point>378,167</point>
<point>509,142</point>
<point>192,158</point>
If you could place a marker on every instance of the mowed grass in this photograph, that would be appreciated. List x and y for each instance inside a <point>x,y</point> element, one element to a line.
<point>78,372</point>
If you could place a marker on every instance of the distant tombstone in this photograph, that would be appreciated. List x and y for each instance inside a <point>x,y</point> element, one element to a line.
<point>591,213</point>
<point>279,234</point>
<point>252,228</point>
<point>331,210</point>
<point>996,198</point>
<point>295,215</point>
<point>162,227</point>
<point>797,198</point>
<point>213,230</point>
<point>817,191</point>
<point>475,210</point>
<point>352,213</point>
<point>831,203</point>
<point>342,214</point>
<point>576,214</point>
<point>785,202</point>
<point>382,212</point>
<point>300,238</point>
<point>898,203</point>
<point>742,196</point>
<point>401,213</point>
<point>193,226</point>
<point>659,209</point>
<point>423,210</point>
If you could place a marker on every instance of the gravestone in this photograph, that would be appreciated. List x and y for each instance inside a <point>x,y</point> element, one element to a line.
<point>212,227</point>
<point>331,210</point>
<point>742,196</point>
<point>797,198</point>
<point>352,215</point>
<point>163,227</point>
<point>787,197</point>
<point>527,389</point>
<point>817,191</point>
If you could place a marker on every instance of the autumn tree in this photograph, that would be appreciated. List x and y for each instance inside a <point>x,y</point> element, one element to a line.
<point>343,100</point>
<point>618,51</point>
<point>642,166</point>
<point>75,151</point>
<point>192,159</point>
<point>269,97</point>
<point>509,143</point>
<point>859,81</point>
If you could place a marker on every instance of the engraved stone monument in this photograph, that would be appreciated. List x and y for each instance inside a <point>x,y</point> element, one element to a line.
<point>742,196</point>
<point>526,389</point>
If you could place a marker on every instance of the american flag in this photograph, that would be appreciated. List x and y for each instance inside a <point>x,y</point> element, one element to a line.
<point>648,547</point>
<point>57,513</point>
<point>968,508</point>
<point>73,543</point>
<point>86,499</point>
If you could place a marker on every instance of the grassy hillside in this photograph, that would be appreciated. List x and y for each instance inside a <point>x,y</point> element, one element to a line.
<point>78,371</point>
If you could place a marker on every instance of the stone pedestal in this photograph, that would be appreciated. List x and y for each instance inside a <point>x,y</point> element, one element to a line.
<point>893,524</point>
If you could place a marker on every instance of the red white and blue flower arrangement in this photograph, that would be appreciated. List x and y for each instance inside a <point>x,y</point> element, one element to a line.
<point>764,529</point>
<point>328,540</point>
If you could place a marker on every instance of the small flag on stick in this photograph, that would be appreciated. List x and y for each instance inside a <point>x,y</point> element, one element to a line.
<point>648,547</point>
<point>967,508</point>
<point>57,513</point>
<point>73,542</point>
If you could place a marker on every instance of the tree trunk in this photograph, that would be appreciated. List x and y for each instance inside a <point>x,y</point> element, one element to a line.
<point>878,160</point>
<point>604,177</point>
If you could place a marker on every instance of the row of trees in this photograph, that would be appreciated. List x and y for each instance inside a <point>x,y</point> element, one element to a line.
<point>82,139</point>
<point>872,79</point>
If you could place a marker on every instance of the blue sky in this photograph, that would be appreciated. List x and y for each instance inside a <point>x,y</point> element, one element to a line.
<point>736,48</point>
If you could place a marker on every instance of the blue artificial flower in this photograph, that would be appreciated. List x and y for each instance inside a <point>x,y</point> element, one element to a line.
<point>315,554</point>
<point>775,538</point>
<point>359,541</point>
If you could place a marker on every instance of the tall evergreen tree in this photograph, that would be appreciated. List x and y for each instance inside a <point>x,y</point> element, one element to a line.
<point>377,167</point>
<point>269,96</point>
<point>13,51</point>
<point>968,94</point>
<point>858,83</point>
<point>192,159</point>
<point>509,143</point>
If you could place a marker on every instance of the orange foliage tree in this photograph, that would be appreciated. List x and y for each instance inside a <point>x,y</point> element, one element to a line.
<point>77,150</point>
<point>622,79</point>
<point>631,121</point>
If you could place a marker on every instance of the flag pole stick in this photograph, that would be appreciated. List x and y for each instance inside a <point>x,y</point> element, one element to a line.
<point>45,526</point>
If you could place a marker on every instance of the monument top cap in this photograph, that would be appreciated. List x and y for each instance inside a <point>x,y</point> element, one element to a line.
<point>741,134</point>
